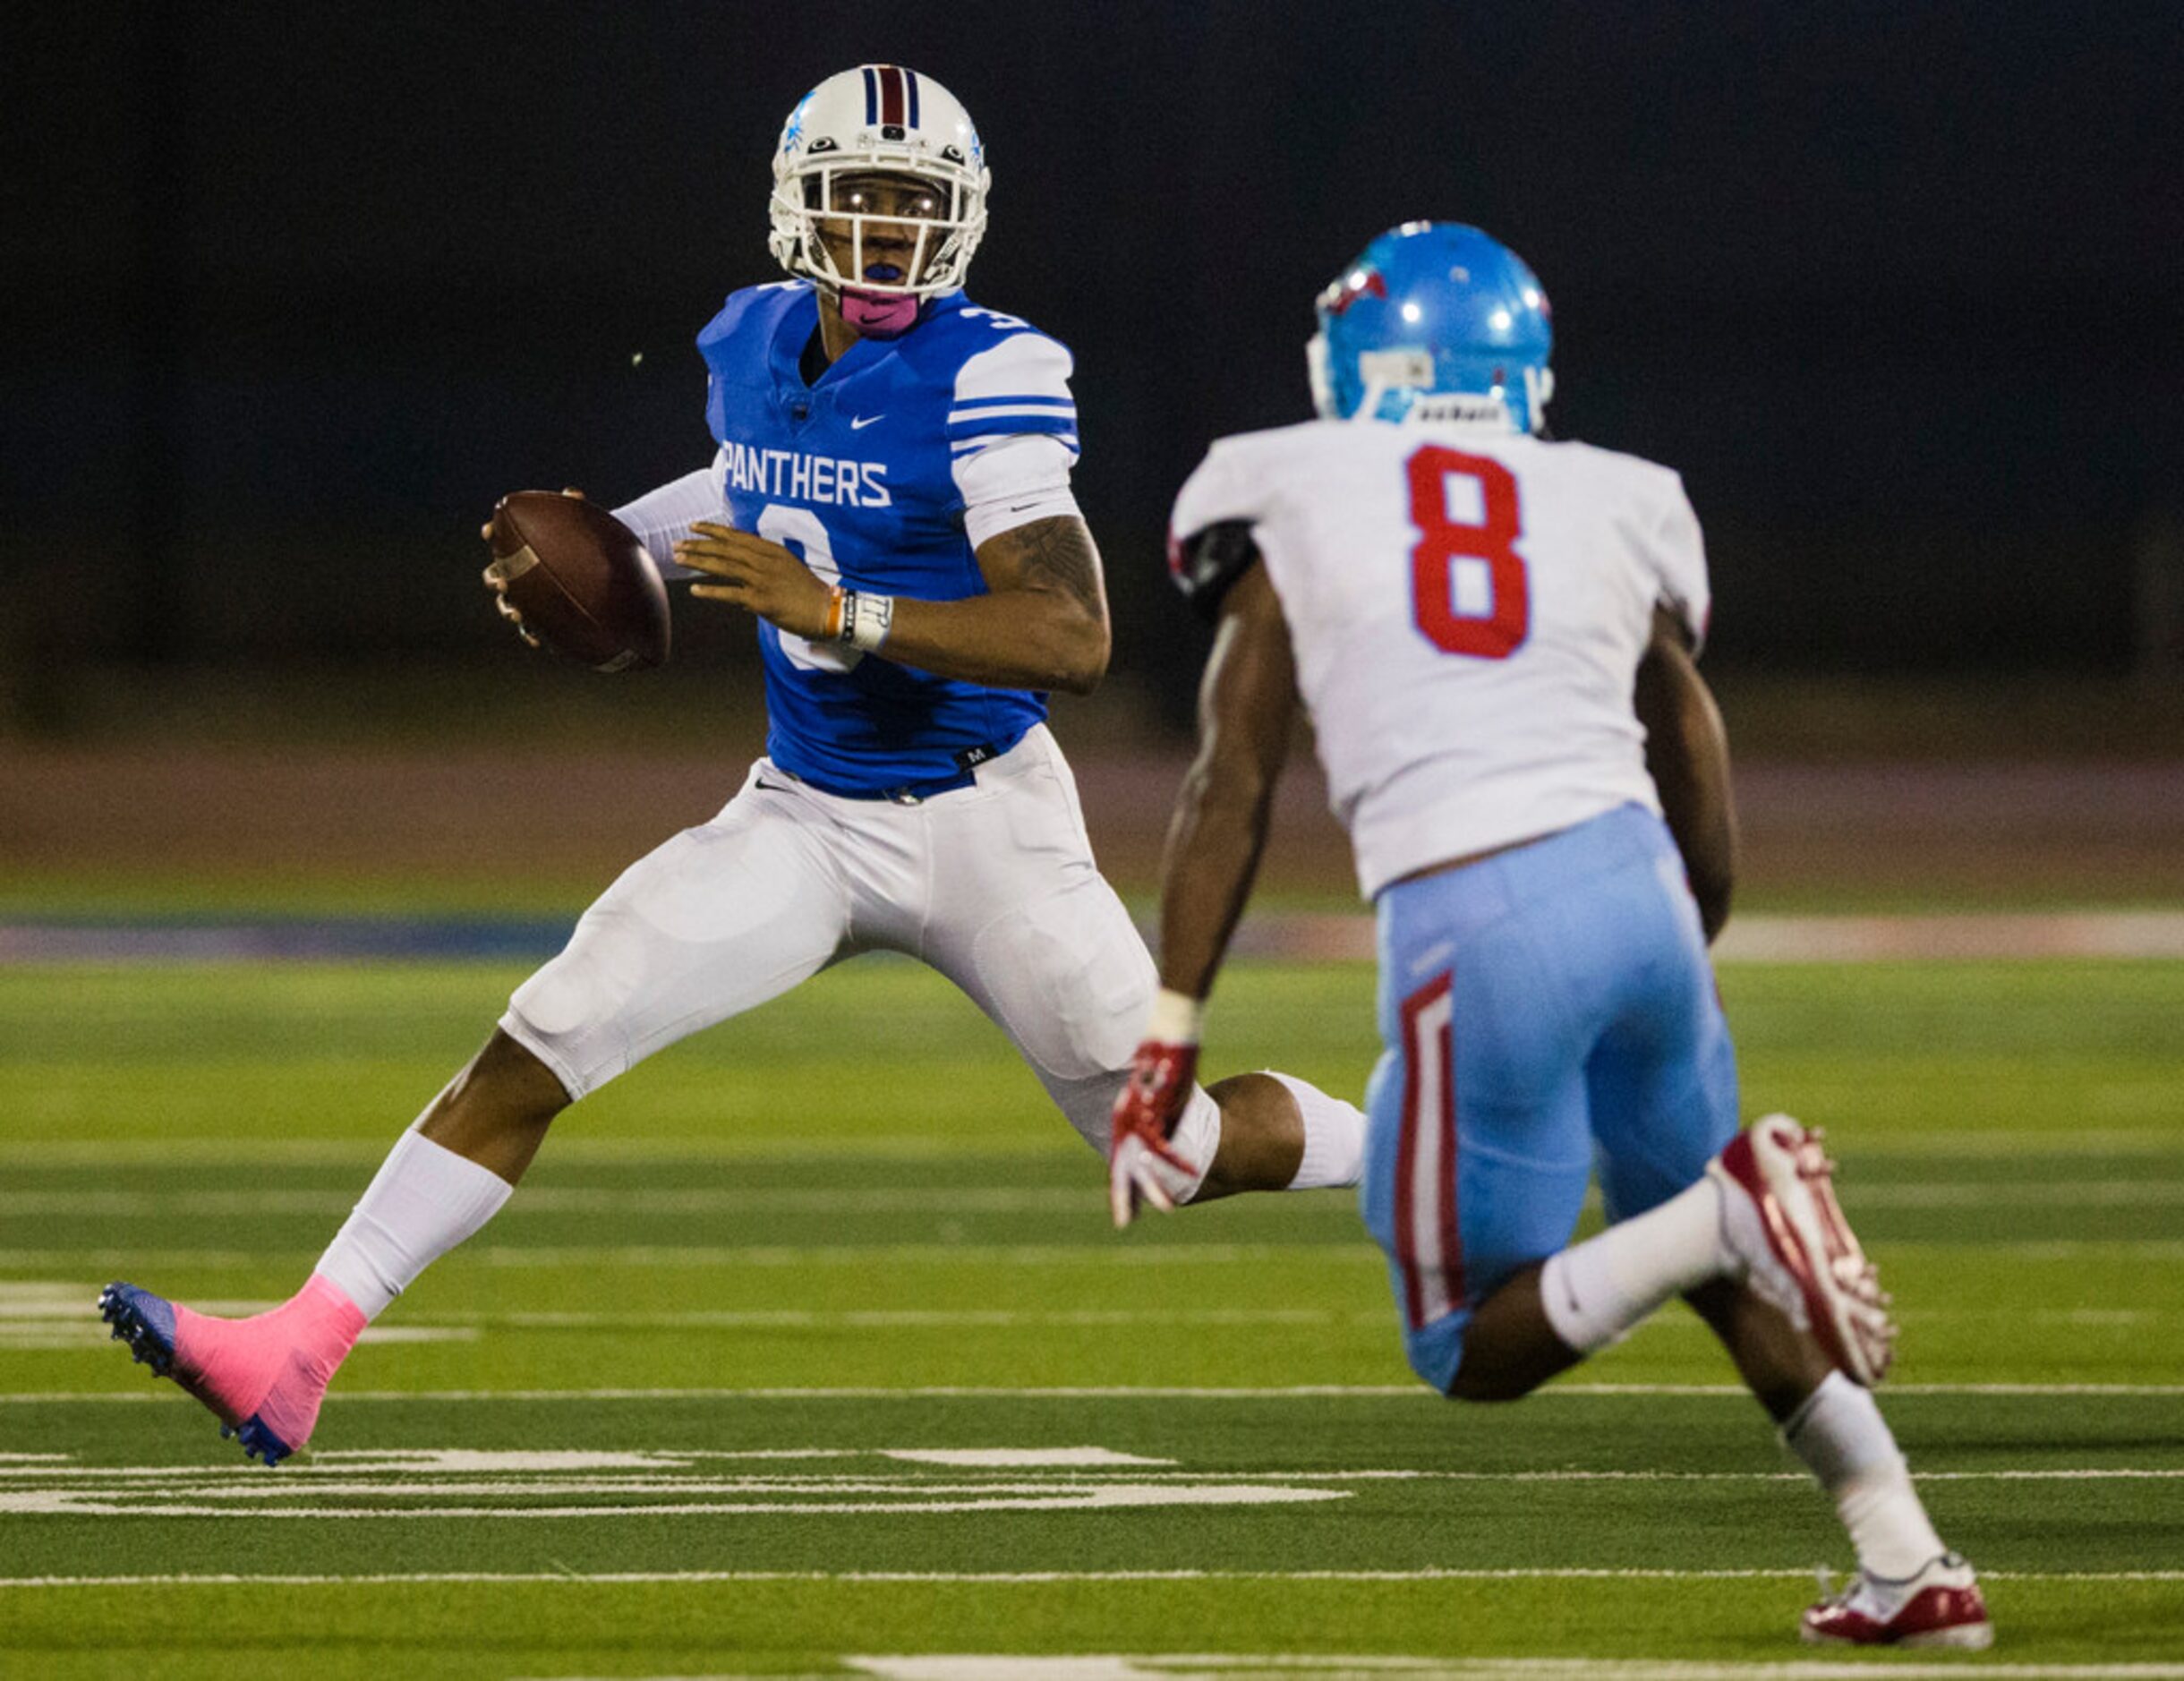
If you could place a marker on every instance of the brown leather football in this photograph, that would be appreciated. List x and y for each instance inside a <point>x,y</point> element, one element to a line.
<point>582,582</point>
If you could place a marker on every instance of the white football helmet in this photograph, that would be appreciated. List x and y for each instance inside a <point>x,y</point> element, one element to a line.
<point>878,119</point>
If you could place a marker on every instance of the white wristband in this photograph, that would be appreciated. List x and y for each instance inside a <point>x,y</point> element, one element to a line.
<point>1175,1020</point>
<point>866,619</point>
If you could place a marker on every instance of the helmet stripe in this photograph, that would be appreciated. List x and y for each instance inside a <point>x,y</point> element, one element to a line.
<point>891,95</point>
<point>910,76</point>
<point>872,96</point>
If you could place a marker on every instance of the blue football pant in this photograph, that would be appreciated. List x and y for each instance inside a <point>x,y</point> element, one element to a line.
<point>1547,1009</point>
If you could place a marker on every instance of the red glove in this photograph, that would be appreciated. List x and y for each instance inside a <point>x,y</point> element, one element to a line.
<point>1143,1165</point>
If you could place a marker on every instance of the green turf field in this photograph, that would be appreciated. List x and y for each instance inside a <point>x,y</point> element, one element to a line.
<point>807,1349</point>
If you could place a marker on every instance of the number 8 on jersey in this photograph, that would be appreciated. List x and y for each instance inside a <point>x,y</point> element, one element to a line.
<point>1439,575</point>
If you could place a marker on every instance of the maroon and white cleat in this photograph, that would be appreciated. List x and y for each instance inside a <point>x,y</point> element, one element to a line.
<point>1939,1606</point>
<point>1781,1218</point>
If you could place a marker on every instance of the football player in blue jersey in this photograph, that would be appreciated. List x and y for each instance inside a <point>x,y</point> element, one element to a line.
<point>890,496</point>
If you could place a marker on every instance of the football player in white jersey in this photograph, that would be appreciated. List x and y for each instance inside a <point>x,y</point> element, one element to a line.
<point>890,496</point>
<point>1494,636</point>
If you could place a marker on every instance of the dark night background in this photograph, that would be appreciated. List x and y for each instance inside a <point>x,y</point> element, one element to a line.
<point>297,292</point>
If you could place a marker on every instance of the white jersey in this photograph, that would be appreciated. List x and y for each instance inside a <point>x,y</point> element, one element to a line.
<point>1468,610</point>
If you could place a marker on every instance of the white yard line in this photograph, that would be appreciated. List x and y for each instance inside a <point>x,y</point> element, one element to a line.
<point>225,1482</point>
<point>894,1319</point>
<point>253,1155</point>
<point>43,1327</point>
<point>91,1201</point>
<point>1242,1666</point>
<point>1090,1392</point>
<point>575,1200</point>
<point>1036,1578</point>
<point>1119,1257</point>
<point>763,1256</point>
<point>1059,1497</point>
<point>256,1152</point>
<point>53,1313</point>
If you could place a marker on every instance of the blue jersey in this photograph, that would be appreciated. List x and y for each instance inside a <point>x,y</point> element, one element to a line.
<point>857,474</point>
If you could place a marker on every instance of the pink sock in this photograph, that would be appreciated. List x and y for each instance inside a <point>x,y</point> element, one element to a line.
<point>274,1365</point>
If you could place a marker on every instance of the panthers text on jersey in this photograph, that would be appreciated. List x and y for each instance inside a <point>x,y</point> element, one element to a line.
<point>1468,610</point>
<point>863,473</point>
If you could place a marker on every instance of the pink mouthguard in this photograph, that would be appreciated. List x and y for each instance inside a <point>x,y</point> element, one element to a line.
<point>878,314</point>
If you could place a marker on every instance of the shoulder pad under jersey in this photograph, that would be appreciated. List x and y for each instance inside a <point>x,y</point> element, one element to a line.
<point>1206,564</point>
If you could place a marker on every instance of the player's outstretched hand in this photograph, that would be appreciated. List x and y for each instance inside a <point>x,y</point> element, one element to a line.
<point>1142,1165</point>
<point>759,576</point>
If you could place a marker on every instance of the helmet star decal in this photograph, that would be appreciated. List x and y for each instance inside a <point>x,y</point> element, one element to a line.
<point>792,136</point>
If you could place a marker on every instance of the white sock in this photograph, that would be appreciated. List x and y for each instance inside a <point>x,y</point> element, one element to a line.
<point>1333,1137</point>
<point>1596,1290</point>
<point>425,1201</point>
<point>1197,1138</point>
<point>1845,1442</point>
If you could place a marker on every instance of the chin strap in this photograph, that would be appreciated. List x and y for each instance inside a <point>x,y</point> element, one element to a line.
<point>878,314</point>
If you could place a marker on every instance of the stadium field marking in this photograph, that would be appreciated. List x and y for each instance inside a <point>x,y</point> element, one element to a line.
<point>52,1313</point>
<point>584,1459</point>
<point>880,1319</point>
<point>535,1463</point>
<point>315,1481</point>
<point>1087,1392</point>
<point>48,1336</point>
<point>1059,1497</point>
<point>1037,1578</point>
<point>766,1256</point>
<point>253,1156</point>
<point>1241,1667</point>
<point>761,1256</point>
<point>44,1316</point>
<point>2046,1193</point>
<point>577,1199</point>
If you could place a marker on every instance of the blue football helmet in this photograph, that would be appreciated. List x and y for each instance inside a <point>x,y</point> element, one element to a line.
<point>1434,321</point>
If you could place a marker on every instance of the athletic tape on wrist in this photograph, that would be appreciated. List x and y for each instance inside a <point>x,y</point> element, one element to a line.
<point>866,619</point>
<point>1176,1019</point>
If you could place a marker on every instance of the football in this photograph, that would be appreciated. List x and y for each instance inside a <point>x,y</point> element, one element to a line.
<point>582,581</point>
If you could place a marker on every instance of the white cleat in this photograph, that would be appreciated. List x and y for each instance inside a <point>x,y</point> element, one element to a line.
<point>1940,1606</point>
<point>1782,1220</point>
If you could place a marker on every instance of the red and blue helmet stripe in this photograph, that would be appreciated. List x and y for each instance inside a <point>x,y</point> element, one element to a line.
<point>891,95</point>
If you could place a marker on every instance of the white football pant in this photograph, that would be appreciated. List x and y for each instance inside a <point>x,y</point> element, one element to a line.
<point>993,885</point>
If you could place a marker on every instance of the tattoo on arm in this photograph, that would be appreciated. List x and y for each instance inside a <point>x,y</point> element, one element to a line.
<point>1059,552</point>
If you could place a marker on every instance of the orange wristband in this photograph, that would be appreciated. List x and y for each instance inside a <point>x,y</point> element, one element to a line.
<point>832,633</point>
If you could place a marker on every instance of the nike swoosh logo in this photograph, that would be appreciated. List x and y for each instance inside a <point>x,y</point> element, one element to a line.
<point>858,424</point>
